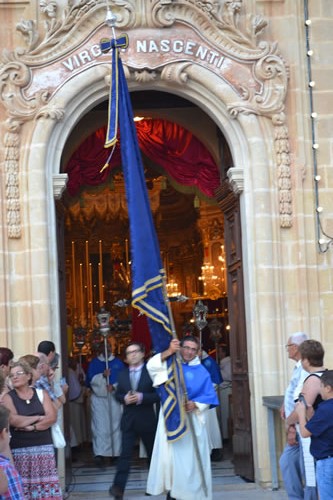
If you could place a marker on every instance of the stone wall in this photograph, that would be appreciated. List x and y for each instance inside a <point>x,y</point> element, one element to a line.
<point>287,273</point>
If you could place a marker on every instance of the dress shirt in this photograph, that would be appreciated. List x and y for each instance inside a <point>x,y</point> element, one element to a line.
<point>135,374</point>
<point>296,380</point>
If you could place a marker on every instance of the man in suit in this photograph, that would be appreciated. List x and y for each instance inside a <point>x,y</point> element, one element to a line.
<point>136,393</point>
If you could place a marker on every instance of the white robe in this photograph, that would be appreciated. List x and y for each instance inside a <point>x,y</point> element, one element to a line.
<point>225,391</point>
<point>174,466</point>
<point>105,419</point>
<point>213,430</point>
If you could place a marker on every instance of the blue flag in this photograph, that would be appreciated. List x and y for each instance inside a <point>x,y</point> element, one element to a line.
<point>147,272</point>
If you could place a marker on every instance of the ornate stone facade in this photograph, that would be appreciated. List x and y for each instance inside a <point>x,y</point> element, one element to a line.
<point>244,63</point>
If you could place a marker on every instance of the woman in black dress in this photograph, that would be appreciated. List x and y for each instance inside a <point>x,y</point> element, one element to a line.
<point>31,416</point>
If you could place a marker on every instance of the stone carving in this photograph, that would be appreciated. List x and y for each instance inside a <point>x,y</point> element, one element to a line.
<point>175,72</point>
<point>220,26</point>
<point>240,42</point>
<point>52,113</point>
<point>270,103</point>
<point>236,179</point>
<point>281,144</point>
<point>59,182</point>
<point>11,164</point>
<point>62,28</point>
<point>49,9</point>
<point>145,76</point>
<point>64,24</point>
<point>271,71</point>
<point>28,29</point>
<point>14,76</point>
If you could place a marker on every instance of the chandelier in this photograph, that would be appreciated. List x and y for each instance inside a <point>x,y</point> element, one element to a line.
<point>172,288</point>
<point>213,278</point>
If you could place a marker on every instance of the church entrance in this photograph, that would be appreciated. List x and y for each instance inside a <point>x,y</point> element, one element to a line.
<point>185,159</point>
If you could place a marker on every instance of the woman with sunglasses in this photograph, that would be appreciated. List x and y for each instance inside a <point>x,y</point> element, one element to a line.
<point>31,416</point>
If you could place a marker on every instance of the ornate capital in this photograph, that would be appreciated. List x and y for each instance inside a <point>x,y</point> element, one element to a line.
<point>236,179</point>
<point>59,184</point>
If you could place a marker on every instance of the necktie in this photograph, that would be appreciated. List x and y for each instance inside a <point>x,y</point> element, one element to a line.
<point>134,379</point>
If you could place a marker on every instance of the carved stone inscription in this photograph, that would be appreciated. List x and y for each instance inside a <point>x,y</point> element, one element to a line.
<point>148,48</point>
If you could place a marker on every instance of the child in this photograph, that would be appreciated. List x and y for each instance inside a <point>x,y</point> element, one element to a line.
<point>320,428</point>
<point>11,486</point>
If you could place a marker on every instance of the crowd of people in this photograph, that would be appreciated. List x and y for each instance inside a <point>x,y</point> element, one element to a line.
<point>127,407</point>
<point>30,401</point>
<point>306,463</point>
<point>124,409</point>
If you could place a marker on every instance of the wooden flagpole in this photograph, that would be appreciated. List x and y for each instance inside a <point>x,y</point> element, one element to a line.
<point>182,381</point>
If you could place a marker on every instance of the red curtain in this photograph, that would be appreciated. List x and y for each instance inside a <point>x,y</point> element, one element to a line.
<point>178,151</point>
<point>140,329</point>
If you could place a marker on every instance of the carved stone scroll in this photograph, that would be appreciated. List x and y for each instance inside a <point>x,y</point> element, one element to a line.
<point>14,76</point>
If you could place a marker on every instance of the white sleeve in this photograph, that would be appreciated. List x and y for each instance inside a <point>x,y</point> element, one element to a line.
<point>157,370</point>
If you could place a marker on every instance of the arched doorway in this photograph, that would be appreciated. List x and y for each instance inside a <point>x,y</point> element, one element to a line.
<point>94,221</point>
<point>181,192</point>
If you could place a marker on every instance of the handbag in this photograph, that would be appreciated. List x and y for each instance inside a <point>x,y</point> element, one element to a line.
<point>57,436</point>
<point>56,432</point>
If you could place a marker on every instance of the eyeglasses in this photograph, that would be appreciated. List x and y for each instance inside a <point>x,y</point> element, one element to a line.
<point>133,352</point>
<point>288,345</point>
<point>43,364</point>
<point>16,374</point>
<point>188,348</point>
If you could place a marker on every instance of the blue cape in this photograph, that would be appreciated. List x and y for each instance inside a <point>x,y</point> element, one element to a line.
<point>199,385</point>
<point>213,368</point>
<point>97,366</point>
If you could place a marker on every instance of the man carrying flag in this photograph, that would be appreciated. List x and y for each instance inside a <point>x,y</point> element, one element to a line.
<point>175,431</point>
<point>183,467</point>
